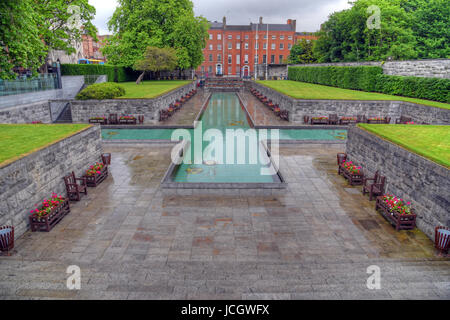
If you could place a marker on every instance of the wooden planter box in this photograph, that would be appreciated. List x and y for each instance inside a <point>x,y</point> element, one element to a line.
<point>346,122</point>
<point>377,121</point>
<point>399,221</point>
<point>6,239</point>
<point>94,181</point>
<point>101,121</point>
<point>47,222</point>
<point>353,178</point>
<point>319,121</point>
<point>127,121</point>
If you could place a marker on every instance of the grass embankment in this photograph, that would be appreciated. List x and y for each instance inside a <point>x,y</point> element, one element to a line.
<point>431,142</point>
<point>303,90</point>
<point>19,140</point>
<point>150,89</point>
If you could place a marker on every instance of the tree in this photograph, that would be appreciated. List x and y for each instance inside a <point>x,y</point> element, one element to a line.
<point>20,44</point>
<point>138,24</point>
<point>156,59</point>
<point>62,22</point>
<point>302,52</point>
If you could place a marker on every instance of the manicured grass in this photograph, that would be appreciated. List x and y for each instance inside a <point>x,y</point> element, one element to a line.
<point>18,140</point>
<point>432,142</point>
<point>303,90</point>
<point>150,89</point>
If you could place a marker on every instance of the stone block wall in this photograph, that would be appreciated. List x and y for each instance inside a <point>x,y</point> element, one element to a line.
<point>83,110</point>
<point>30,180</point>
<point>409,176</point>
<point>298,108</point>
<point>430,68</point>
<point>28,113</point>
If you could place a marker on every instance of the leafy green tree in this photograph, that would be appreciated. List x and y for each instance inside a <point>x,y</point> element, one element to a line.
<point>138,24</point>
<point>156,59</point>
<point>20,44</point>
<point>302,52</point>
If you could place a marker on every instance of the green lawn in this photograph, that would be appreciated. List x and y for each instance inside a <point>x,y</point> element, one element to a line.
<point>150,89</point>
<point>303,90</point>
<point>18,140</point>
<point>432,142</point>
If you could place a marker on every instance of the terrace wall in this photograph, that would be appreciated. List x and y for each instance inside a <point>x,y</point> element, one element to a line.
<point>27,113</point>
<point>83,110</point>
<point>29,180</point>
<point>394,109</point>
<point>429,68</point>
<point>409,176</point>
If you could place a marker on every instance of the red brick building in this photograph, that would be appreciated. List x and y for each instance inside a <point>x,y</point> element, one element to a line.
<point>91,49</point>
<point>236,50</point>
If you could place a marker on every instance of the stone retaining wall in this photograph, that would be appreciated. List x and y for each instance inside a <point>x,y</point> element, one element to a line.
<point>28,113</point>
<point>83,110</point>
<point>430,68</point>
<point>394,109</point>
<point>409,176</point>
<point>30,180</point>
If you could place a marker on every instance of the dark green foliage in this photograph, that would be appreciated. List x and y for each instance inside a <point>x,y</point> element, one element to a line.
<point>435,89</point>
<point>100,91</point>
<point>357,78</point>
<point>114,73</point>
<point>372,79</point>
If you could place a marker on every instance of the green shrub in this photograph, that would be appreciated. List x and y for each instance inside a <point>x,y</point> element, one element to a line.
<point>435,89</point>
<point>356,78</point>
<point>100,91</point>
<point>114,73</point>
<point>372,79</point>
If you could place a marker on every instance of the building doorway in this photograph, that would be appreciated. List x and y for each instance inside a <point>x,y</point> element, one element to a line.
<point>218,69</point>
<point>246,72</point>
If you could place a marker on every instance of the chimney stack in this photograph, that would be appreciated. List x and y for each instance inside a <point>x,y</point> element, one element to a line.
<point>224,21</point>
<point>260,20</point>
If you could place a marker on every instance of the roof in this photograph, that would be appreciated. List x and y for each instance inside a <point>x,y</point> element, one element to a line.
<point>251,27</point>
<point>273,27</point>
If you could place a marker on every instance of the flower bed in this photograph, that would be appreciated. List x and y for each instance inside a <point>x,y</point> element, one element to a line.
<point>352,173</point>
<point>96,174</point>
<point>101,120</point>
<point>49,213</point>
<point>319,120</point>
<point>376,120</point>
<point>396,211</point>
<point>127,120</point>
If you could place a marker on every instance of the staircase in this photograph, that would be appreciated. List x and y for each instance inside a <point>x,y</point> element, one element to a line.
<point>224,84</point>
<point>66,115</point>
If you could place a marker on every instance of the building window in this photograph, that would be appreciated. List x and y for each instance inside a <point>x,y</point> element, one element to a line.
<point>265,46</point>
<point>290,38</point>
<point>203,68</point>
<point>281,46</point>
<point>265,37</point>
<point>246,36</point>
<point>219,57</point>
<point>272,58</point>
<point>210,69</point>
<point>281,37</point>
<point>256,59</point>
<point>230,59</point>
<point>256,45</point>
<point>281,59</point>
<point>289,46</point>
<point>219,36</point>
<point>229,70</point>
<point>246,58</point>
<point>238,36</point>
<point>238,45</point>
<point>264,58</point>
<point>238,59</point>
<point>256,37</point>
<point>274,37</point>
<point>230,37</point>
<point>273,46</point>
<point>211,47</point>
<point>238,70</point>
<point>210,36</point>
<point>246,46</point>
<point>219,47</point>
<point>210,58</point>
<point>230,45</point>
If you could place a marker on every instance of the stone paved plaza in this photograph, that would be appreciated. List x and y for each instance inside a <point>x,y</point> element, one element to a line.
<point>133,241</point>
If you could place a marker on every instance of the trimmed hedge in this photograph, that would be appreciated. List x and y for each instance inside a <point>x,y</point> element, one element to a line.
<point>114,73</point>
<point>435,89</point>
<point>100,91</point>
<point>372,79</point>
<point>356,78</point>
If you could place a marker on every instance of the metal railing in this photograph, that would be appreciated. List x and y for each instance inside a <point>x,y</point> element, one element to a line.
<point>24,85</point>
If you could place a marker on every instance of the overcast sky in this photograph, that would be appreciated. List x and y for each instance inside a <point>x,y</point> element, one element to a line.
<point>310,14</point>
